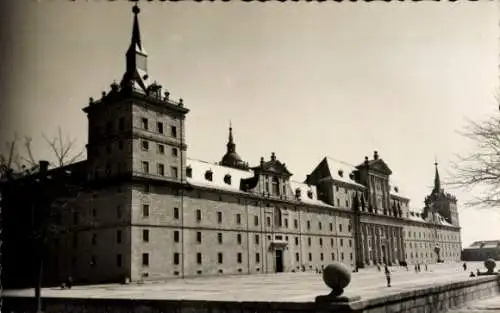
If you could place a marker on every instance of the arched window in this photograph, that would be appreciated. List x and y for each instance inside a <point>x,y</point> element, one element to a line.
<point>276,185</point>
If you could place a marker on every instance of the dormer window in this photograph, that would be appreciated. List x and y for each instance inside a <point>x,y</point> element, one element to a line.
<point>189,172</point>
<point>341,173</point>
<point>209,175</point>
<point>227,179</point>
<point>310,194</point>
<point>396,189</point>
<point>351,176</point>
<point>298,193</point>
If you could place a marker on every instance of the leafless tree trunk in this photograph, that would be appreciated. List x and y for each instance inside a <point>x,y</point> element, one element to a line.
<point>479,170</point>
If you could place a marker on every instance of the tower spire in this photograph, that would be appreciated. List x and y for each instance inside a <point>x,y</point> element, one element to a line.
<point>437,181</point>
<point>136,72</point>
<point>231,147</point>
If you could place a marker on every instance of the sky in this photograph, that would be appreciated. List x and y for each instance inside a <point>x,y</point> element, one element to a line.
<point>303,80</point>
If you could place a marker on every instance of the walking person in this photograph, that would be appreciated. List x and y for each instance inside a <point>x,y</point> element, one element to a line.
<point>465,267</point>
<point>388,276</point>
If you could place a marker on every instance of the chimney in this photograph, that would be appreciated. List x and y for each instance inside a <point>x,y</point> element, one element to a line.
<point>44,166</point>
<point>273,157</point>
<point>366,160</point>
<point>261,161</point>
<point>375,155</point>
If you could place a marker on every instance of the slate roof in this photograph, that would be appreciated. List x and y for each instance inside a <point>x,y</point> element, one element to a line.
<point>416,215</point>
<point>341,171</point>
<point>199,169</point>
<point>488,244</point>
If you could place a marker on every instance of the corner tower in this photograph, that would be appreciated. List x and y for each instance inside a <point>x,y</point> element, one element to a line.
<point>135,130</point>
<point>441,202</point>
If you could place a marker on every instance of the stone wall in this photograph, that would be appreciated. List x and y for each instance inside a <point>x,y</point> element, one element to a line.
<point>432,299</point>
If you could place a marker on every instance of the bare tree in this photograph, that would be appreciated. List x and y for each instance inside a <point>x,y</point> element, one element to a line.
<point>62,149</point>
<point>48,191</point>
<point>479,170</point>
<point>19,158</point>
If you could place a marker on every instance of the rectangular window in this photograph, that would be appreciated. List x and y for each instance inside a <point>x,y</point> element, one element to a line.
<point>308,224</point>
<point>145,210</point>
<point>295,223</point>
<point>176,258</point>
<point>176,213</point>
<point>159,126</point>
<point>333,256</point>
<point>145,259</point>
<point>145,167</point>
<point>321,256</point>
<point>331,242</point>
<point>145,145</point>
<point>94,239</point>
<point>286,223</point>
<point>321,242</point>
<point>238,238</point>
<point>198,215</point>
<point>118,236</point>
<point>173,131</point>
<point>145,235</point>
<point>341,242</point>
<point>161,149</point>
<point>350,243</point>
<point>161,169</point>
<point>310,257</point>
<point>320,226</point>
<point>268,219</point>
<point>219,258</point>
<point>257,258</point>
<point>219,217</point>
<point>256,220</point>
<point>296,241</point>
<point>174,172</point>
<point>145,125</point>
<point>342,256</point>
<point>175,152</point>
<point>198,237</point>
<point>297,257</point>
<point>147,188</point>
<point>189,172</point>
<point>198,258</point>
<point>238,219</point>
<point>257,239</point>
<point>176,236</point>
<point>309,241</point>
<point>340,227</point>
<point>239,257</point>
<point>219,238</point>
<point>118,260</point>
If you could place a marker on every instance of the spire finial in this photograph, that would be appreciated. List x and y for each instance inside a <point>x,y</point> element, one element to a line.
<point>437,180</point>
<point>135,9</point>
<point>231,147</point>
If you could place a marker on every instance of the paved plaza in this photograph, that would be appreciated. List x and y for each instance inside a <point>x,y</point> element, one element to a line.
<point>282,287</point>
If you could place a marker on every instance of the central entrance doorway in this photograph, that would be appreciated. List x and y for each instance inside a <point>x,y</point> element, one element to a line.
<point>279,260</point>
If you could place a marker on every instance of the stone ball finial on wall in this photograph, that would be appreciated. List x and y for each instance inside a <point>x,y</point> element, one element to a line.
<point>336,276</point>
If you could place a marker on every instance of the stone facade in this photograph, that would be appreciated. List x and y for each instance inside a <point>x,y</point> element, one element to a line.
<point>153,213</point>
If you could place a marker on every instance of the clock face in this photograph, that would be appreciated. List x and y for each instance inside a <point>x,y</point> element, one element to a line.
<point>141,62</point>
